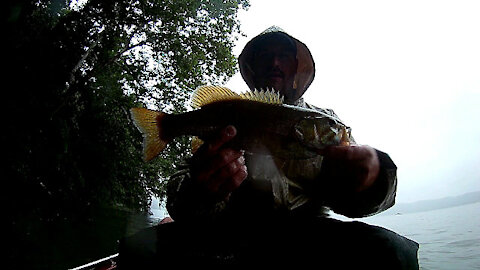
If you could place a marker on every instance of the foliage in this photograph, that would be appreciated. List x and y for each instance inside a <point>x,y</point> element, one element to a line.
<point>73,72</point>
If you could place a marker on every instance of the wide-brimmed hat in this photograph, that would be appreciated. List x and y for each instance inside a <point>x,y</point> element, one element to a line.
<point>305,69</point>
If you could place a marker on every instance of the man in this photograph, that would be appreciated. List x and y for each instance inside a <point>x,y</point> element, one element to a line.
<point>233,208</point>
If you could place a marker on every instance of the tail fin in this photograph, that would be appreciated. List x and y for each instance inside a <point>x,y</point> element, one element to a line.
<point>147,122</point>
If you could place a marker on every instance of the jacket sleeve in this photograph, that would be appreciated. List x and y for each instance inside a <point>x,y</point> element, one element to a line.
<point>185,200</point>
<point>379,197</point>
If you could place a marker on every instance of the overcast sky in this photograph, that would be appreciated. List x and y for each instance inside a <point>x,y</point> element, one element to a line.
<point>405,75</point>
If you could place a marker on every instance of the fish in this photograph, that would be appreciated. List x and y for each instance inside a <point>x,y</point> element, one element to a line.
<point>264,124</point>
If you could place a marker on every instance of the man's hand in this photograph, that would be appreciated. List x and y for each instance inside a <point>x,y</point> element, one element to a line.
<point>358,166</point>
<point>219,169</point>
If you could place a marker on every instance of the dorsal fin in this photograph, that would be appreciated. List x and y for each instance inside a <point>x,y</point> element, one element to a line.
<point>265,96</point>
<point>207,94</point>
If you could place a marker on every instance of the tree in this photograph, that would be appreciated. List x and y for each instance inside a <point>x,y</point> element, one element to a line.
<point>72,73</point>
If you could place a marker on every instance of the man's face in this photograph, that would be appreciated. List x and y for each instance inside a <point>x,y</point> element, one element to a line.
<point>275,66</point>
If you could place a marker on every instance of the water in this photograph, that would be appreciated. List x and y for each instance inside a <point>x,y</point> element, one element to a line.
<point>158,210</point>
<point>449,238</point>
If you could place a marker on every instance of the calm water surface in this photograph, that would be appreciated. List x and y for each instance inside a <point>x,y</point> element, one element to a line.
<point>449,238</point>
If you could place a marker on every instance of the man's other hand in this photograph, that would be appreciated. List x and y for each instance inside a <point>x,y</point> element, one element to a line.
<point>358,166</point>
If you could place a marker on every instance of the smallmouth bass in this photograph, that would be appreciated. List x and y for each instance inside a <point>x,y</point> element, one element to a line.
<point>264,125</point>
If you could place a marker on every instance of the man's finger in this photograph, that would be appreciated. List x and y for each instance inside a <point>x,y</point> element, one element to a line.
<point>223,157</point>
<point>228,169</point>
<point>210,147</point>
<point>233,182</point>
<point>215,163</point>
<point>225,135</point>
<point>225,176</point>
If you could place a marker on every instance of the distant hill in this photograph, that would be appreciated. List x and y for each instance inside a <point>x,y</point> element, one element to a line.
<point>427,205</point>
